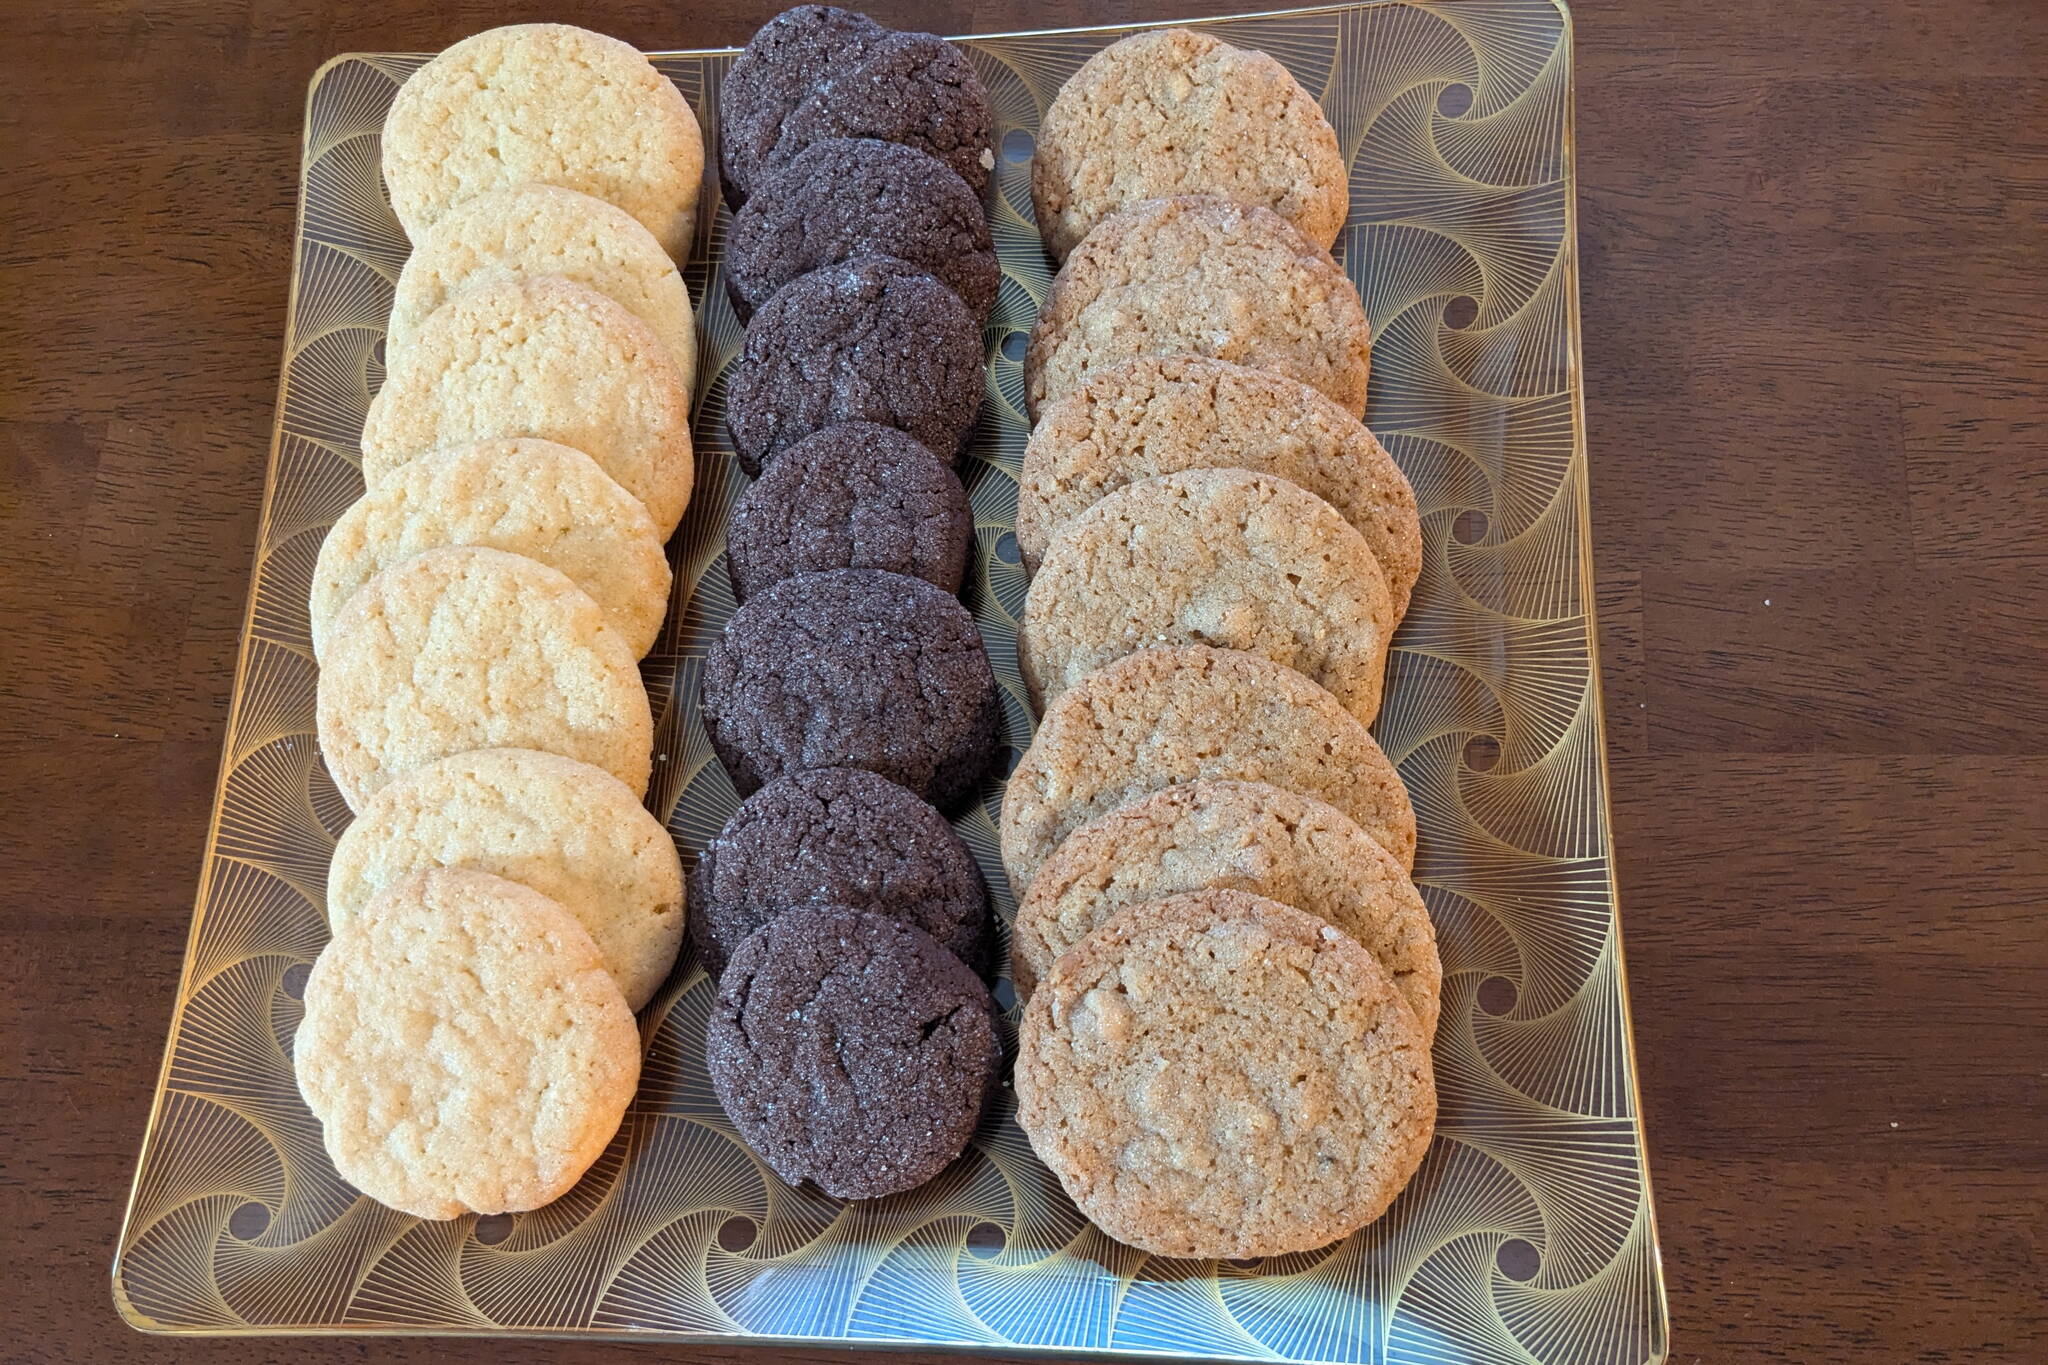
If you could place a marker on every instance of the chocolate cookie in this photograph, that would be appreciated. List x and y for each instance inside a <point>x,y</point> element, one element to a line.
<point>837,836</point>
<point>816,72</point>
<point>913,88</point>
<point>854,496</point>
<point>782,64</point>
<point>856,196</point>
<point>851,1050</point>
<point>853,668</point>
<point>866,340</point>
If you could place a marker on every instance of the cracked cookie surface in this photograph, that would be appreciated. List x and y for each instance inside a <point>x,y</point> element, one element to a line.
<point>853,668</point>
<point>527,497</point>
<point>837,836</point>
<point>866,340</point>
<point>1201,276</point>
<point>1235,836</point>
<point>847,197</point>
<point>463,1047</point>
<point>1221,557</point>
<point>1176,111</point>
<point>851,1050</point>
<point>545,230</point>
<point>545,358</point>
<point>468,648</point>
<point>816,72</point>
<point>544,104</point>
<point>1156,415</point>
<point>572,832</point>
<point>853,496</point>
<point>1161,717</point>
<point>1219,1075</point>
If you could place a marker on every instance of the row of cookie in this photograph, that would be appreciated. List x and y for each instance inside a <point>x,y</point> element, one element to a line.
<point>853,1043</point>
<point>855,229</point>
<point>854,157</point>
<point>1211,859</point>
<point>1210,852</point>
<point>502,901</point>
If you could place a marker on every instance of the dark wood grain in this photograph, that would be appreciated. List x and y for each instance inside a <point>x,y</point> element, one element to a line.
<point>1815,273</point>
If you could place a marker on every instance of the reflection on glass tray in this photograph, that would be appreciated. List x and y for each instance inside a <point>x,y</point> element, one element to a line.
<point>1528,1235</point>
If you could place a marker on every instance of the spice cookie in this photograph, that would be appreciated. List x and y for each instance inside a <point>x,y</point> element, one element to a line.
<point>1206,277</point>
<point>1220,1075</point>
<point>854,668</point>
<point>547,358</point>
<point>816,72</point>
<point>463,1047</point>
<point>1237,836</point>
<point>469,648</point>
<point>1220,557</point>
<point>867,340</point>
<point>837,836</point>
<point>544,104</point>
<point>1162,414</point>
<point>847,197</point>
<point>1176,111</point>
<point>528,497</point>
<point>1162,717</point>
<point>574,833</point>
<point>851,1050</point>
<point>545,230</point>
<point>854,496</point>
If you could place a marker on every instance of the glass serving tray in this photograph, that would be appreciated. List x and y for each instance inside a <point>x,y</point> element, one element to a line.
<point>1527,1236</point>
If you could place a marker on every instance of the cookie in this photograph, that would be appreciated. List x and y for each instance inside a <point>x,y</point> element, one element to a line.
<point>815,72</point>
<point>854,668</point>
<point>1162,414</point>
<point>851,1050</point>
<point>528,497</point>
<point>1174,111</point>
<point>463,1047</point>
<point>847,197</point>
<point>1219,1075</point>
<point>867,340</point>
<point>551,105</point>
<point>837,836</point>
<point>541,357</point>
<point>913,88</point>
<point>574,833</point>
<point>781,65</point>
<point>1204,277</point>
<point>545,230</point>
<point>854,496</point>
<point>1162,717</point>
<point>1236,836</point>
<point>1221,557</point>
<point>469,648</point>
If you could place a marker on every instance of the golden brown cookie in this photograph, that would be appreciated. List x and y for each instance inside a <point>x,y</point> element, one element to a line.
<point>1176,111</point>
<point>1236,836</point>
<point>1165,716</point>
<point>1221,557</point>
<point>528,497</point>
<point>544,104</point>
<point>548,358</point>
<point>1201,276</point>
<point>545,230</point>
<point>1220,1075</point>
<point>1162,414</point>
<point>468,648</point>
<point>574,833</point>
<point>463,1047</point>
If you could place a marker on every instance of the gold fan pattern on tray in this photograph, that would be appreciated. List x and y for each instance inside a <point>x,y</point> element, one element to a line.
<point>1527,1236</point>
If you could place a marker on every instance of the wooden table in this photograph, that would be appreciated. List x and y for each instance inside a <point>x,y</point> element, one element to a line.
<point>1814,290</point>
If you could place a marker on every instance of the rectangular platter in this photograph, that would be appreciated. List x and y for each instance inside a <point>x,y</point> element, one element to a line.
<point>1529,1233</point>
